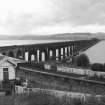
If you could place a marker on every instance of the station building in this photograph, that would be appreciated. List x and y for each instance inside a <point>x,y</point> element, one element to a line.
<point>7,69</point>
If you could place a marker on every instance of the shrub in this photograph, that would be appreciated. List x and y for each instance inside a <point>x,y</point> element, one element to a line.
<point>92,101</point>
<point>42,98</point>
<point>97,67</point>
<point>104,67</point>
<point>63,60</point>
<point>82,60</point>
<point>102,100</point>
<point>73,59</point>
<point>77,101</point>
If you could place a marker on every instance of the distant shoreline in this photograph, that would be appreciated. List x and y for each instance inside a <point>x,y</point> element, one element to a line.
<point>63,36</point>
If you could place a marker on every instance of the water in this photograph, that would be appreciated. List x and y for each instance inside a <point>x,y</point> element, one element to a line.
<point>96,53</point>
<point>25,42</point>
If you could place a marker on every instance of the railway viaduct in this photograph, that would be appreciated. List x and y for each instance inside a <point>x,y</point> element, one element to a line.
<point>46,51</point>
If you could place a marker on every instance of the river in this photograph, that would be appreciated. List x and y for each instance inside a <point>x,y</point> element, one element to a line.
<point>25,42</point>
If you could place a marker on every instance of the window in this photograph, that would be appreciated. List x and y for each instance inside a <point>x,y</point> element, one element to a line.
<point>5,74</point>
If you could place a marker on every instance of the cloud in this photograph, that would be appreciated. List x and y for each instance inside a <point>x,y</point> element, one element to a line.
<point>46,16</point>
<point>83,12</point>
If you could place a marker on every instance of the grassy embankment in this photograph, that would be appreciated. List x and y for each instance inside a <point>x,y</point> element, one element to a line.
<point>46,99</point>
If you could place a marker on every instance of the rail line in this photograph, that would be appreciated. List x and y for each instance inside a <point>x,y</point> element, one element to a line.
<point>61,76</point>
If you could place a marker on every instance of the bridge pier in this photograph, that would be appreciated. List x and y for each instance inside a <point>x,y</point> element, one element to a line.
<point>67,51</point>
<point>23,54</point>
<point>76,49</point>
<point>54,54</point>
<point>63,52</point>
<point>71,51</point>
<point>48,53</point>
<point>29,56</point>
<point>59,54</point>
<point>46,56</point>
<point>40,55</point>
<point>35,56</point>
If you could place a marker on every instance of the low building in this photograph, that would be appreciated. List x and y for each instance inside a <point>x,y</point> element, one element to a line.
<point>8,68</point>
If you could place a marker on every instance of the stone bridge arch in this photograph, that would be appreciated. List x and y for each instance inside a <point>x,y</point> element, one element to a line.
<point>3,53</point>
<point>19,54</point>
<point>11,54</point>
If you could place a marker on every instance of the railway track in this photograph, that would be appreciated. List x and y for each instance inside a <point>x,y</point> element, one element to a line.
<point>64,76</point>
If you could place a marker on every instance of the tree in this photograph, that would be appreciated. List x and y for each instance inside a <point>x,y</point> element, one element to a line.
<point>97,67</point>
<point>104,67</point>
<point>82,60</point>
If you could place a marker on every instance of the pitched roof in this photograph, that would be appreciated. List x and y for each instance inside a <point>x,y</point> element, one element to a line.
<point>10,59</point>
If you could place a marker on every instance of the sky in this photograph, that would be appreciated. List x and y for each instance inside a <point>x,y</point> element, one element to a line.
<point>41,17</point>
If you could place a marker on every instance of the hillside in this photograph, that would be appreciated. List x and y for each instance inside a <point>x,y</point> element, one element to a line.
<point>63,36</point>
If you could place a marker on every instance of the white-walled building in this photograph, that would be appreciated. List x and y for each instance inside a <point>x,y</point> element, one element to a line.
<point>8,67</point>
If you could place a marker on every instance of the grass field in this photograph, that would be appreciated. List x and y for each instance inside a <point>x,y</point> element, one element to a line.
<point>42,98</point>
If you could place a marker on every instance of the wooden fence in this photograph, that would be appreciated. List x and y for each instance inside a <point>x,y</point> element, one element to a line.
<point>87,72</point>
<point>56,93</point>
